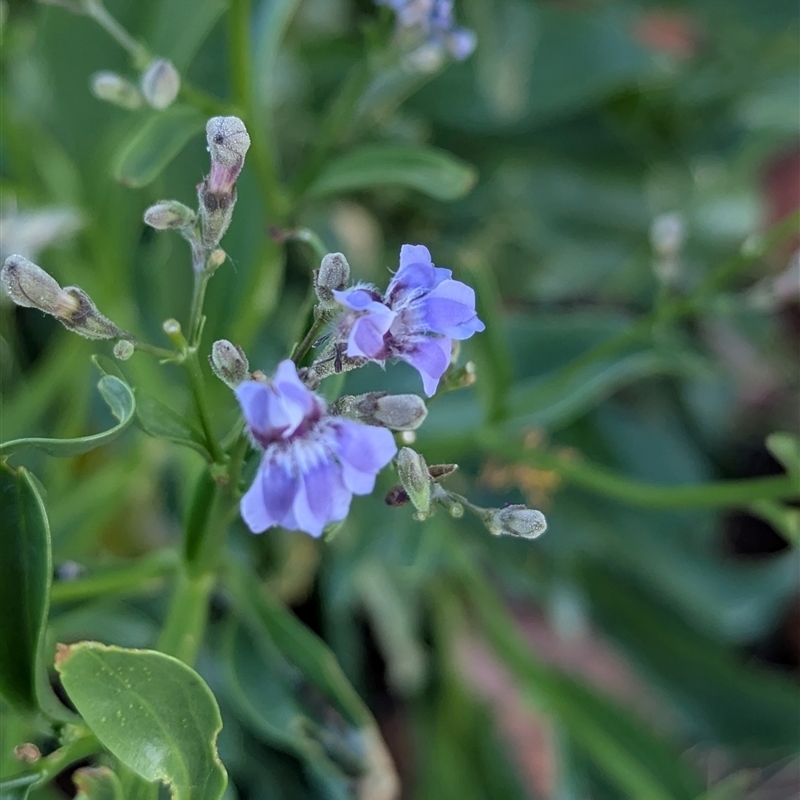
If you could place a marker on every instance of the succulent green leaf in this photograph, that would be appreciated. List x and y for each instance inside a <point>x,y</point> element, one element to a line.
<point>97,783</point>
<point>154,143</point>
<point>25,574</point>
<point>433,172</point>
<point>132,696</point>
<point>120,400</point>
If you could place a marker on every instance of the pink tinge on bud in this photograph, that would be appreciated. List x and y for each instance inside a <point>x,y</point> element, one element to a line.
<point>223,178</point>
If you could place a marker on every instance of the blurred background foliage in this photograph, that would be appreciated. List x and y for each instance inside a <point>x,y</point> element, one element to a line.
<point>647,646</point>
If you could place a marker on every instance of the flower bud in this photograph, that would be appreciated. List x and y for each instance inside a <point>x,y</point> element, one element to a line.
<point>229,363</point>
<point>516,520</point>
<point>87,320</point>
<point>168,215</point>
<point>115,89</point>
<point>228,143</point>
<point>123,349</point>
<point>333,275</point>
<point>413,473</point>
<point>160,83</point>
<point>31,287</point>
<point>400,412</point>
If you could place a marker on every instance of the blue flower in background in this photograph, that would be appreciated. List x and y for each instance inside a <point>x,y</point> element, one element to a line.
<point>313,463</point>
<point>436,22</point>
<point>415,321</point>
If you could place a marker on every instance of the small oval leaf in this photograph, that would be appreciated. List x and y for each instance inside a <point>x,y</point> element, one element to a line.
<point>119,398</point>
<point>128,697</point>
<point>154,143</point>
<point>97,783</point>
<point>25,574</point>
<point>433,172</point>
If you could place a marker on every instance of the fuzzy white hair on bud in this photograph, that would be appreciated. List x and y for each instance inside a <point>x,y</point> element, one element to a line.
<point>228,140</point>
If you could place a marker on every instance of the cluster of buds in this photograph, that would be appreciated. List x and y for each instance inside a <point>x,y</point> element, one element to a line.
<point>419,484</point>
<point>29,286</point>
<point>158,87</point>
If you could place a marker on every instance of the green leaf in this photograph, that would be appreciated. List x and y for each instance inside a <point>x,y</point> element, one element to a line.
<point>155,418</point>
<point>154,143</point>
<point>433,172</point>
<point>282,639</point>
<point>270,24</point>
<point>785,447</point>
<point>161,422</point>
<point>97,783</point>
<point>25,575</point>
<point>17,788</point>
<point>177,35</point>
<point>132,696</point>
<point>274,711</point>
<point>119,398</point>
<point>732,704</point>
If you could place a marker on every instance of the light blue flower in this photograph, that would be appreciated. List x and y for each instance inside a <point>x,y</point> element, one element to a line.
<point>415,321</point>
<point>313,463</point>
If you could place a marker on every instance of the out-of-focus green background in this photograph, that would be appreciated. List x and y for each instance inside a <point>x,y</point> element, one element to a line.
<point>594,128</point>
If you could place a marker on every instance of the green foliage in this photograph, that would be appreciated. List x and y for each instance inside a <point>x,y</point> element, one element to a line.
<point>25,572</point>
<point>129,697</point>
<point>640,393</point>
<point>432,172</point>
<point>120,400</point>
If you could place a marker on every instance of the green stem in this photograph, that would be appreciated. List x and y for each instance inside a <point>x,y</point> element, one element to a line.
<point>192,364</point>
<point>203,101</point>
<point>98,12</point>
<point>130,579</point>
<point>56,762</point>
<point>206,527</point>
<point>160,352</point>
<point>185,625</point>
<point>599,480</point>
<point>320,321</point>
<point>201,279</point>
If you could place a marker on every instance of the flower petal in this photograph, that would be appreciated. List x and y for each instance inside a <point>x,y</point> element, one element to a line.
<point>269,497</point>
<point>430,357</point>
<point>264,412</point>
<point>363,451</point>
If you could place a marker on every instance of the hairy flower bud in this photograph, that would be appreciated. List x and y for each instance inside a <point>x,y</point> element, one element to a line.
<point>400,412</point>
<point>516,520</point>
<point>228,143</point>
<point>333,275</point>
<point>115,89</point>
<point>87,320</point>
<point>229,363</point>
<point>160,83</point>
<point>169,215</point>
<point>30,286</point>
<point>413,473</point>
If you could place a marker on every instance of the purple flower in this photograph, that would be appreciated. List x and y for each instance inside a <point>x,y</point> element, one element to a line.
<point>434,19</point>
<point>313,463</point>
<point>422,310</point>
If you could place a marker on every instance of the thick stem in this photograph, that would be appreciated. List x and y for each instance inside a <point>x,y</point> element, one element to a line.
<point>185,625</point>
<point>192,363</point>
